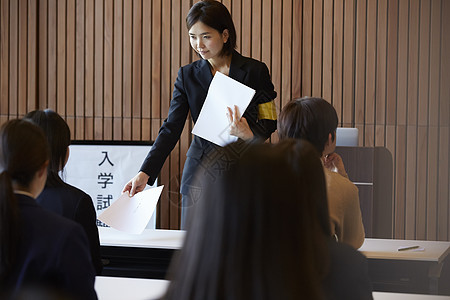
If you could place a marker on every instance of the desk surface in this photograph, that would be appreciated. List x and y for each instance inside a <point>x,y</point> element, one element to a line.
<point>150,238</point>
<point>433,251</point>
<point>119,288</point>
<point>406,296</point>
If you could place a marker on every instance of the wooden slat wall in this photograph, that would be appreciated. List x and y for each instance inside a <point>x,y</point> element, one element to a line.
<point>108,67</point>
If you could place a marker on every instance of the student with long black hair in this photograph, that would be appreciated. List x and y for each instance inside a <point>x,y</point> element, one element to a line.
<point>37,247</point>
<point>262,231</point>
<point>58,196</point>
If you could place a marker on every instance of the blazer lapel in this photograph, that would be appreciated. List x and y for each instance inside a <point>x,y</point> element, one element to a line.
<point>203,74</point>
<point>236,72</point>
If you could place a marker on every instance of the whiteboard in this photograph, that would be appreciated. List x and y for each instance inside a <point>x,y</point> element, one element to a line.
<point>101,169</point>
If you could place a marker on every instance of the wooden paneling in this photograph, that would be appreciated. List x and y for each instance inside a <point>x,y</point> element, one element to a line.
<point>348,63</point>
<point>444,131</point>
<point>117,69</point>
<point>4,60</point>
<point>13,53</point>
<point>108,68</point>
<point>89,69</point>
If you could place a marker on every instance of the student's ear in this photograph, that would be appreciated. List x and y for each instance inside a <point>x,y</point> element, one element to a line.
<point>330,139</point>
<point>225,35</point>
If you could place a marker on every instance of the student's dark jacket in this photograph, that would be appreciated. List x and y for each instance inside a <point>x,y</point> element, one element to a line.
<point>348,277</point>
<point>74,204</point>
<point>53,253</point>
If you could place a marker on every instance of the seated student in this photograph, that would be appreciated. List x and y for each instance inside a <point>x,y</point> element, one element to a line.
<point>37,247</point>
<point>58,196</point>
<point>315,120</point>
<point>262,231</point>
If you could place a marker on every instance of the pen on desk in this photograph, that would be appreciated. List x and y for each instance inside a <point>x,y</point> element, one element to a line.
<point>407,248</point>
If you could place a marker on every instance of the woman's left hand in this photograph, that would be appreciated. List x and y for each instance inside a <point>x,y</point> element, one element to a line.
<point>238,126</point>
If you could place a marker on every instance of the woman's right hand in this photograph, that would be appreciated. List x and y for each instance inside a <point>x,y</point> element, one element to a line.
<point>137,184</point>
<point>334,163</point>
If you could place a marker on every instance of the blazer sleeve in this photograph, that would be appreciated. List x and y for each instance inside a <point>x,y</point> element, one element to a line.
<point>170,131</point>
<point>265,122</point>
<point>86,216</point>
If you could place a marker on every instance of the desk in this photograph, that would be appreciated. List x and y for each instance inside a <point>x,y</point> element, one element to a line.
<point>405,296</point>
<point>407,271</point>
<point>119,288</point>
<point>146,255</point>
<point>150,238</point>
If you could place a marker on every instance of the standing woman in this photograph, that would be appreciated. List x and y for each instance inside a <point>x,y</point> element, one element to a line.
<point>58,196</point>
<point>213,37</point>
<point>37,248</point>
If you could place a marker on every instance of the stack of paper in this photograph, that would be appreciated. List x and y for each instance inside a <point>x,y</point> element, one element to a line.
<point>212,123</point>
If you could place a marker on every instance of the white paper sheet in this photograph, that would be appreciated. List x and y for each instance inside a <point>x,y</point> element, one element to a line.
<point>212,123</point>
<point>131,215</point>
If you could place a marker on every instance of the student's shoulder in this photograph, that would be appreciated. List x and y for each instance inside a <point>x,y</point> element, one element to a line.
<point>336,180</point>
<point>346,261</point>
<point>348,273</point>
<point>341,252</point>
<point>76,191</point>
<point>66,190</point>
<point>49,222</point>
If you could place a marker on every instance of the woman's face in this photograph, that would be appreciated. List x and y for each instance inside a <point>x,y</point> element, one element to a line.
<point>207,41</point>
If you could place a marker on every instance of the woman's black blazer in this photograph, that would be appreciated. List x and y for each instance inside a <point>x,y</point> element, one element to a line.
<point>189,94</point>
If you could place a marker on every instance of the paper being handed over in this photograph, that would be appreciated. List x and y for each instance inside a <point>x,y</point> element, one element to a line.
<point>212,123</point>
<point>132,215</point>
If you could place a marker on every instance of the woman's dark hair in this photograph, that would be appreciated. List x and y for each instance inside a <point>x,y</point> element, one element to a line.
<point>58,136</point>
<point>260,231</point>
<point>23,151</point>
<point>307,118</point>
<point>215,15</point>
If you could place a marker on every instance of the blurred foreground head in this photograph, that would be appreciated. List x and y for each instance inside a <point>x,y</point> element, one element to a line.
<point>260,231</point>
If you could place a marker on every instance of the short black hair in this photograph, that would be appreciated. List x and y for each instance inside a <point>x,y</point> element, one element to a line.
<point>215,15</point>
<point>308,118</point>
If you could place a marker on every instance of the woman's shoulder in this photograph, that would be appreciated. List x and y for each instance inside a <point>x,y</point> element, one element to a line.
<point>348,276</point>
<point>48,221</point>
<point>67,190</point>
<point>240,59</point>
<point>344,253</point>
<point>76,191</point>
<point>199,63</point>
<point>336,181</point>
<point>64,199</point>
